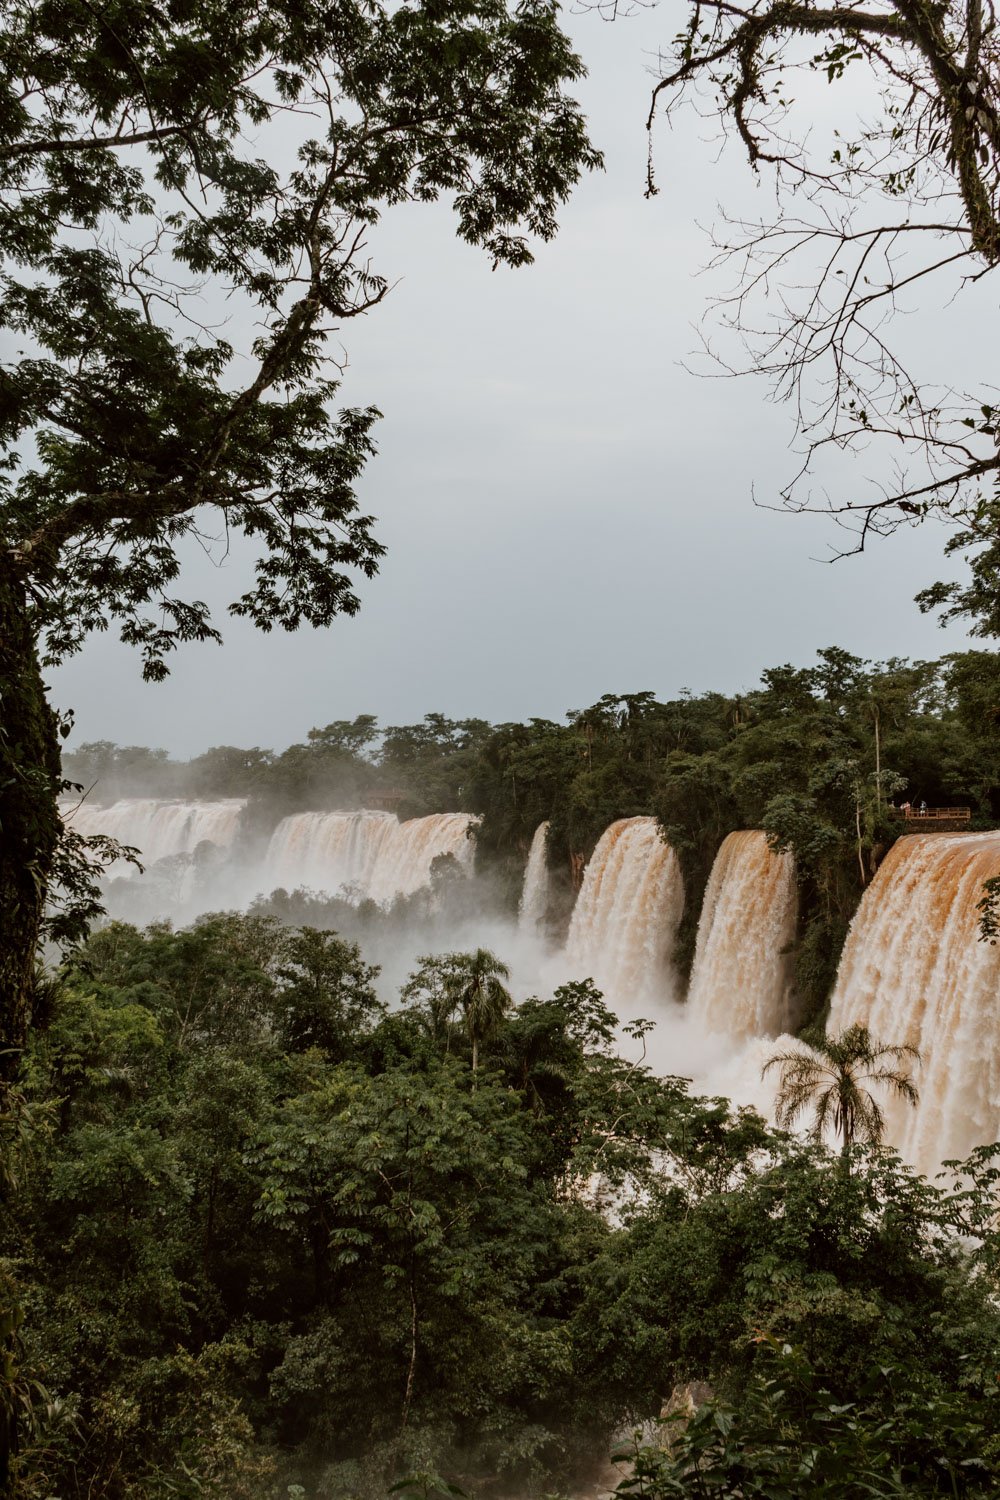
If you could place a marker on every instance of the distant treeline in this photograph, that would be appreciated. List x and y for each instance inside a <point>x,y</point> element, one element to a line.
<point>815,756</point>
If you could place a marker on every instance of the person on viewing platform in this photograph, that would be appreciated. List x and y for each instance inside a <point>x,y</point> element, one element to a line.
<point>923,809</point>
<point>906,808</point>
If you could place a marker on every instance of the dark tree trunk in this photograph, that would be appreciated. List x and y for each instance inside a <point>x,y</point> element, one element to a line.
<point>319,1240</point>
<point>29,814</point>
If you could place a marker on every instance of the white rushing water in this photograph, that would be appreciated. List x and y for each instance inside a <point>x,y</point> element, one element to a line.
<point>404,863</point>
<point>535,892</point>
<point>371,855</point>
<point>326,851</point>
<point>626,916</point>
<point>913,968</point>
<point>914,971</point>
<point>741,981</point>
<point>157,828</point>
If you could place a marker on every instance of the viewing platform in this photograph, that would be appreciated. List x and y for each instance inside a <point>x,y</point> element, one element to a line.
<point>934,819</point>
<point>383,800</point>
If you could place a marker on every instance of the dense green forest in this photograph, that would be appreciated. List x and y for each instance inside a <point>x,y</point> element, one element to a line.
<point>262,1235</point>
<point>267,1238</point>
<point>816,756</point>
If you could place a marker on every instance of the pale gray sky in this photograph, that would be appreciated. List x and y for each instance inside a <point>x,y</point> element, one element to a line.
<point>568,512</point>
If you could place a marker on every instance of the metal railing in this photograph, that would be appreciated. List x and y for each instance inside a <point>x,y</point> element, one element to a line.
<point>935,814</point>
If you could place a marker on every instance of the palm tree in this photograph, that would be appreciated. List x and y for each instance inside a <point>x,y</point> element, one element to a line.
<point>474,985</point>
<point>832,1079</point>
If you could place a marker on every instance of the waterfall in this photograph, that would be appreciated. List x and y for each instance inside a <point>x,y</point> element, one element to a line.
<point>371,854</point>
<point>914,972</point>
<point>535,891</point>
<point>327,851</point>
<point>404,865</point>
<point>626,915</point>
<point>741,980</point>
<point>159,829</point>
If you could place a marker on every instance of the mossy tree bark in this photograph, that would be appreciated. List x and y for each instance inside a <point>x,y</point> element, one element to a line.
<point>29,814</point>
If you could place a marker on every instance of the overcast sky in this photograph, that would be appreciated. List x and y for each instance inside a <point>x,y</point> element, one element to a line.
<point>568,512</point>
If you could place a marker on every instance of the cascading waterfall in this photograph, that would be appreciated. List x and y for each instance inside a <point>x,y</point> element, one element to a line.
<point>535,891</point>
<point>158,829</point>
<point>741,982</point>
<point>327,851</point>
<point>627,913</point>
<point>914,971</point>
<point>370,854</point>
<point>404,865</point>
<point>913,968</point>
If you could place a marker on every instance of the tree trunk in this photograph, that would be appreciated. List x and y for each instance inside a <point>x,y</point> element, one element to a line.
<point>319,1243</point>
<point>29,814</point>
<point>847,1127</point>
<point>412,1368</point>
<point>878,760</point>
<point>213,1183</point>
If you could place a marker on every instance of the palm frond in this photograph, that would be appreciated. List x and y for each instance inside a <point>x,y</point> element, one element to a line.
<point>899,1083</point>
<point>825,1106</point>
<point>830,1078</point>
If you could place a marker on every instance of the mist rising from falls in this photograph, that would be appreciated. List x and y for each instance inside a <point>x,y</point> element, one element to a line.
<point>370,854</point>
<point>626,916</point>
<point>535,892</point>
<point>159,829</point>
<point>914,971</point>
<point>741,982</point>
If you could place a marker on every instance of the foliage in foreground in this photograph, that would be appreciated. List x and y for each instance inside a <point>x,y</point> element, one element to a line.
<point>790,1436</point>
<point>267,1233</point>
